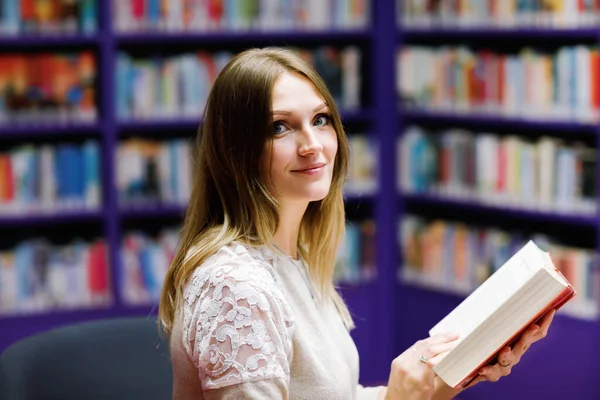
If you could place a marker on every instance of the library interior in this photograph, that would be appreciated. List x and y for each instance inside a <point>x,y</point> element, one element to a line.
<point>424,89</point>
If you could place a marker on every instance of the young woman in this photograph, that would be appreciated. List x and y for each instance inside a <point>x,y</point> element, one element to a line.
<point>249,302</point>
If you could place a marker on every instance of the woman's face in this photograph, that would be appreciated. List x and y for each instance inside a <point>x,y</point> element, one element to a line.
<point>298,161</point>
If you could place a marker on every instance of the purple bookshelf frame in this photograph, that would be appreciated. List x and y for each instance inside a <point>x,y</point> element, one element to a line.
<point>191,124</point>
<point>477,206</point>
<point>58,218</point>
<point>496,121</point>
<point>132,39</point>
<point>50,130</point>
<point>440,33</point>
<point>152,211</point>
<point>177,124</point>
<point>19,42</point>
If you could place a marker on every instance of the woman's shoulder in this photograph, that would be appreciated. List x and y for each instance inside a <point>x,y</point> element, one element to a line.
<point>235,314</point>
<point>235,265</point>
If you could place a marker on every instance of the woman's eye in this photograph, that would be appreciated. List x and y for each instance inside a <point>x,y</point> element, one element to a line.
<point>322,120</point>
<point>278,128</point>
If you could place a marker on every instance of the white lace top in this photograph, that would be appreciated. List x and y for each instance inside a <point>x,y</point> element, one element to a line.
<point>250,329</point>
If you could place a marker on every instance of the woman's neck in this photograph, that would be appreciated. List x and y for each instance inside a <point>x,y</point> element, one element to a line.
<point>286,236</point>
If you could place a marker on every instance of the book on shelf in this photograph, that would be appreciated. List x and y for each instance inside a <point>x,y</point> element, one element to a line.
<point>154,172</point>
<point>242,16</point>
<point>356,260</point>
<point>37,276</point>
<point>548,174</point>
<point>362,169</point>
<point>528,84</point>
<point>50,178</point>
<point>144,261</point>
<point>30,17</point>
<point>499,14</point>
<point>48,88</point>
<point>517,295</point>
<point>177,86</point>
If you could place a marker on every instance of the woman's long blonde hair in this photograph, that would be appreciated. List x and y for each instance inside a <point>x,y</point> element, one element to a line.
<point>229,201</point>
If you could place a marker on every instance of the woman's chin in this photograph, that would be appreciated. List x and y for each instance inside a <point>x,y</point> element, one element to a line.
<point>318,196</point>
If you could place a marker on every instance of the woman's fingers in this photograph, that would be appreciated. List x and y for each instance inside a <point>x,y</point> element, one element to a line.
<point>479,378</point>
<point>508,358</point>
<point>545,325</point>
<point>436,352</point>
<point>505,358</point>
<point>432,349</point>
<point>526,340</point>
<point>440,338</point>
<point>503,366</point>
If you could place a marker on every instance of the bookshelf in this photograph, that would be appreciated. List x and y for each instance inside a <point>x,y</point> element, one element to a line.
<point>57,41</point>
<point>554,356</point>
<point>113,221</point>
<point>479,207</point>
<point>498,33</point>
<point>251,38</point>
<point>390,314</point>
<point>498,122</point>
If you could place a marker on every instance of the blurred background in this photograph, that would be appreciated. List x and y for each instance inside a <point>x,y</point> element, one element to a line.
<point>473,125</point>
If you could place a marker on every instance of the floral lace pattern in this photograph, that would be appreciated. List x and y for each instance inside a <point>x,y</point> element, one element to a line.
<point>237,325</point>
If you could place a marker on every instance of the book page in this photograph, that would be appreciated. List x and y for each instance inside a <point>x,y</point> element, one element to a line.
<point>493,292</point>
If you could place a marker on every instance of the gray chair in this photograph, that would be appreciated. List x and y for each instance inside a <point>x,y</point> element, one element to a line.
<point>114,359</point>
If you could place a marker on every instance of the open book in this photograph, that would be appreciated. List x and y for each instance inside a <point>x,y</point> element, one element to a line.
<point>518,294</point>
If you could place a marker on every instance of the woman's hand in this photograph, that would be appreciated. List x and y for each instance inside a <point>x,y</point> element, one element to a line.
<point>411,375</point>
<point>508,358</point>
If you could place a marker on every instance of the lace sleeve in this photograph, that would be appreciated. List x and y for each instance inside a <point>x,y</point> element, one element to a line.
<point>237,324</point>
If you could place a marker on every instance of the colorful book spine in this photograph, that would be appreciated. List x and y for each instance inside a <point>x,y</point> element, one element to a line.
<point>454,257</point>
<point>143,264</point>
<point>56,17</point>
<point>44,88</point>
<point>529,84</point>
<point>178,86</point>
<point>509,171</point>
<point>233,15</point>
<point>49,179</point>
<point>151,173</point>
<point>356,260</point>
<point>362,169</point>
<point>37,276</point>
<point>557,14</point>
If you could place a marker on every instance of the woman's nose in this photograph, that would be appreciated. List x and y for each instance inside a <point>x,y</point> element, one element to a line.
<point>310,142</point>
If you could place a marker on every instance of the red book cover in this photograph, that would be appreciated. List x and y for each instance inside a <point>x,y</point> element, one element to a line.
<point>215,11</point>
<point>486,82</point>
<point>501,171</point>
<point>27,10</point>
<point>6,176</point>
<point>137,11</point>
<point>472,84</point>
<point>97,270</point>
<point>595,81</point>
<point>444,163</point>
<point>3,180</point>
<point>501,78</point>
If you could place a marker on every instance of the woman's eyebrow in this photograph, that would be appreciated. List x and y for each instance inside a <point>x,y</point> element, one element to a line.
<point>320,106</point>
<point>317,108</point>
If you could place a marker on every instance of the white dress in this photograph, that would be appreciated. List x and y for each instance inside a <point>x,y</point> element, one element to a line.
<point>250,329</point>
